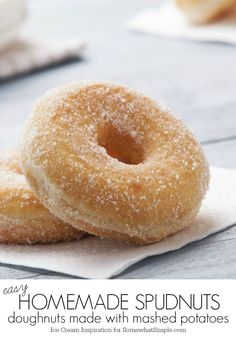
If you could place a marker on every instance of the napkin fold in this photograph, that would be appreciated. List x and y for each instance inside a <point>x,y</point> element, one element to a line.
<point>28,54</point>
<point>92,257</point>
<point>169,21</point>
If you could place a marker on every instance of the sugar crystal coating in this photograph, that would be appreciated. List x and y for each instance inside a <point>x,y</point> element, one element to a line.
<point>23,219</point>
<point>113,162</point>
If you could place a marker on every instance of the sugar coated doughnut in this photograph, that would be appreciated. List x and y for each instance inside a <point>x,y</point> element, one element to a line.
<point>22,217</point>
<point>113,162</point>
<point>200,11</point>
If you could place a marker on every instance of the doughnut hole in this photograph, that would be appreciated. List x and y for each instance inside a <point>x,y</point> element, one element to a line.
<point>121,145</point>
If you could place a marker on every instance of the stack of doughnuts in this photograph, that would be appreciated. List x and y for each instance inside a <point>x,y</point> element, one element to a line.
<point>23,219</point>
<point>111,162</point>
<point>202,11</point>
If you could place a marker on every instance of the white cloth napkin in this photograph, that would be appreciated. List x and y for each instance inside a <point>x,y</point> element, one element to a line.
<point>93,257</point>
<point>28,54</point>
<point>22,54</point>
<point>169,21</point>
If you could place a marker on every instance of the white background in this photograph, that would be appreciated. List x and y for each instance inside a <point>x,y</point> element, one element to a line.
<point>225,288</point>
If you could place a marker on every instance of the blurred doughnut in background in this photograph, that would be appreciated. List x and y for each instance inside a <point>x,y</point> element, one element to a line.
<point>21,52</point>
<point>12,17</point>
<point>203,11</point>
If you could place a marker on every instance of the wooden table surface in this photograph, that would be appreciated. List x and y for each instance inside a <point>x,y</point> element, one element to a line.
<point>196,80</point>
